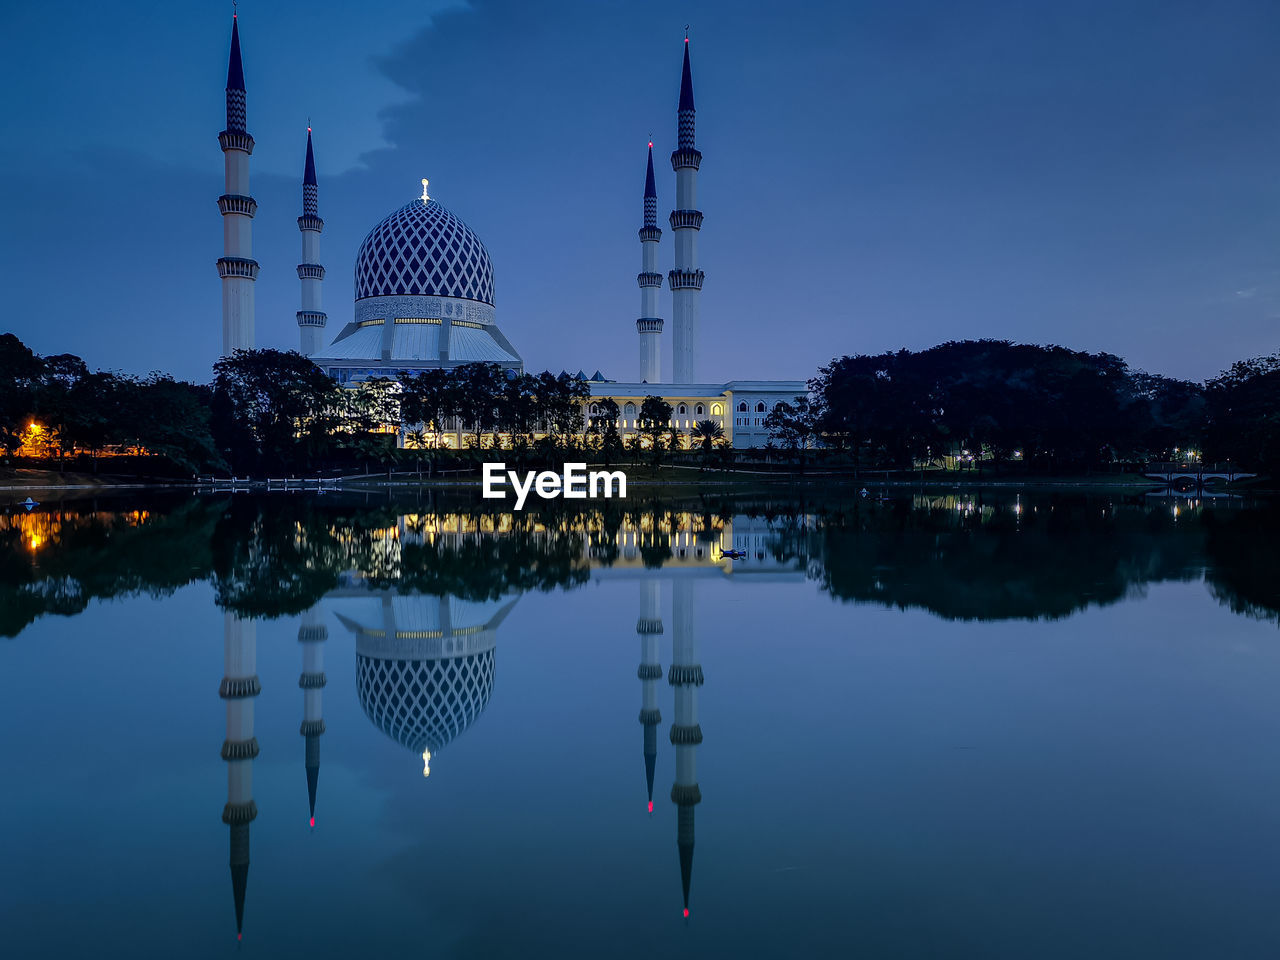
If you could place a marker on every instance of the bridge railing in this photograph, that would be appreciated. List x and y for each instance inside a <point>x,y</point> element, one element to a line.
<point>1194,467</point>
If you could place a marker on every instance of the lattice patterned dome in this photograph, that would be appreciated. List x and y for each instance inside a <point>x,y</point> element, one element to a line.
<point>423,250</point>
<point>424,704</point>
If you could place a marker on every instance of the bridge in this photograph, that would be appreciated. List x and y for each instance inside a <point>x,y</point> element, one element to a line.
<point>1195,472</point>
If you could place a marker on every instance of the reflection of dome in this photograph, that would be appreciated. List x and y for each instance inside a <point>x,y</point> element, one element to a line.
<point>424,704</point>
<point>423,250</point>
<point>425,665</point>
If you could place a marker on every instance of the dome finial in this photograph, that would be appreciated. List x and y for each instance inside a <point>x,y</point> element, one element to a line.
<point>426,754</point>
<point>425,196</point>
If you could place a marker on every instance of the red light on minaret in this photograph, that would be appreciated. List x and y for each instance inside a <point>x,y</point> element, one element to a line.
<point>313,821</point>
<point>651,806</point>
<point>686,909</point>
<point>239,936</point>
<point>650,144</point>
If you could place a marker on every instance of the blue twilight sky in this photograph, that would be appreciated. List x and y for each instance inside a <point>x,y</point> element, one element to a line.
<point>1103,175</point>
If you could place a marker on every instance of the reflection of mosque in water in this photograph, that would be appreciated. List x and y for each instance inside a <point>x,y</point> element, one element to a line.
<point>425,664</point>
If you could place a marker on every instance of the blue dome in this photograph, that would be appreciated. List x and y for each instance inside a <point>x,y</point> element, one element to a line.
<point>423,250</point>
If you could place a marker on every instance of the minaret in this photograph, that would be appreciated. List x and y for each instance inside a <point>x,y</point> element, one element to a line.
<point>686,221</point>
<point>312,635</point>
<point>239,687</point>
<point>650,324</point>
<point>649,627</point>
<point>236,267</point>
<point>311,319</point>
<point>685,676</point>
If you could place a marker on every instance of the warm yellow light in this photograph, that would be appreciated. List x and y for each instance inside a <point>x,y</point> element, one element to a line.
<point>426,754</point>
<point>36,541</point>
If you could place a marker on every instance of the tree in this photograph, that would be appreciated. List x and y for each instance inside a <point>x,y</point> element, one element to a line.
<point>654,421</point>
<point>265,400</point>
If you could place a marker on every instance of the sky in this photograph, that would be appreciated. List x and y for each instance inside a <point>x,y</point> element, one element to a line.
<point>1101,175</point>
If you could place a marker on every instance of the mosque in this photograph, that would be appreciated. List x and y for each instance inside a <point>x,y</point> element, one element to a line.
<point>424,291</point>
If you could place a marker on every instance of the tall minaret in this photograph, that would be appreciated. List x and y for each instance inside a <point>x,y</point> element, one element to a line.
<point>239,687</point>
<point>650,324</point>
<point>685,676</point>
<point>686,221</point>
<point>649,627</point>
<point>236,266</point>
<point>311,319</point>
<point>312,635</point>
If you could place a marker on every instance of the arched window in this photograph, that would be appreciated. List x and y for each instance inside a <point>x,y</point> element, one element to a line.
<point>717,410</point>
<point>742,407</point>
<point>760,407</point>
<point>629,410</point>
<point>698,410</point>
<point>595,409</point>
<point>683,410</point>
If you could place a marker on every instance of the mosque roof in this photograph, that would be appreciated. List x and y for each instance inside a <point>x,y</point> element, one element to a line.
<point>418,343</point>
<point>423,249</point>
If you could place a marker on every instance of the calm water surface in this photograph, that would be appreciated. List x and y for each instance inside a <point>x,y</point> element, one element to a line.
<point>977,726</point>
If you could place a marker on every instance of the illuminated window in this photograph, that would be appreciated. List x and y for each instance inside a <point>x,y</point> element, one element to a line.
<point>717,410</point>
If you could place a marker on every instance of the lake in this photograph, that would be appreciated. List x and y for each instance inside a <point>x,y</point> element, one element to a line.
<point>985,725</point>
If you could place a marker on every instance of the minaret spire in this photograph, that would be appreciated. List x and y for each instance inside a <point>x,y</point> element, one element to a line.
<point>312,635</point>
<point>311,319</point>
<point>649,325</point>
<point>685,676</point>
<point>649,627</point>
<point>239,688</point>
<point>686,220</point>
<point>236,266</point>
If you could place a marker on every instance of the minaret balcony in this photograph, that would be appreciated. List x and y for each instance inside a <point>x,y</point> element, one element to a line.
<point>308,222</point>
<point>686,794</point>
<point>240,813</point>
<point>649,325</point>
<point>650,234</point>
<point>686,735</point>
<point>686,158</point>
<point>236,203</point>
<point>312,318</point>
<point>235,140</point>
<point>312,633</point>
<point>310,271</point>
<point>686,219</point>
<point>649,671</point>
<point>237,267</point>
<point>313,681</point>
<point>240,749</point>
<point>312,728</point>
<point>685,279</point>
<point>649,279</point>
<point>650,625</point>
<point>237,688</point>
<point>685,675</point>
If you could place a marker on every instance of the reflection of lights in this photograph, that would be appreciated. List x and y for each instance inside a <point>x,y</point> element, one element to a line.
<point>651,806</point>
<point>426,763</point>
<point>37,541</point>
<point>686,913</point>
<point>313,821</point>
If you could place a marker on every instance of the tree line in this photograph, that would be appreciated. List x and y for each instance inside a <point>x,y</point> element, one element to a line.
<point>1044,406</point>
<point>961,403</point>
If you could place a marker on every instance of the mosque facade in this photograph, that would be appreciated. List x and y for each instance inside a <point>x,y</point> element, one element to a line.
<point>424,291</point>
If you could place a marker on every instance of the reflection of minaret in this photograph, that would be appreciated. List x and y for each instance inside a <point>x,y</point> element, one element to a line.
<point>312,635</point>
<point>649,626</point>
<point>685,676</point>
<point>239,687</point>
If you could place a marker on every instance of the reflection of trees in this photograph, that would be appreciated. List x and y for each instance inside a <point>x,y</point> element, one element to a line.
<point>958,557</point>
<point>980,559</point>
<point>1243,560</point>
<point>58,561</point>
